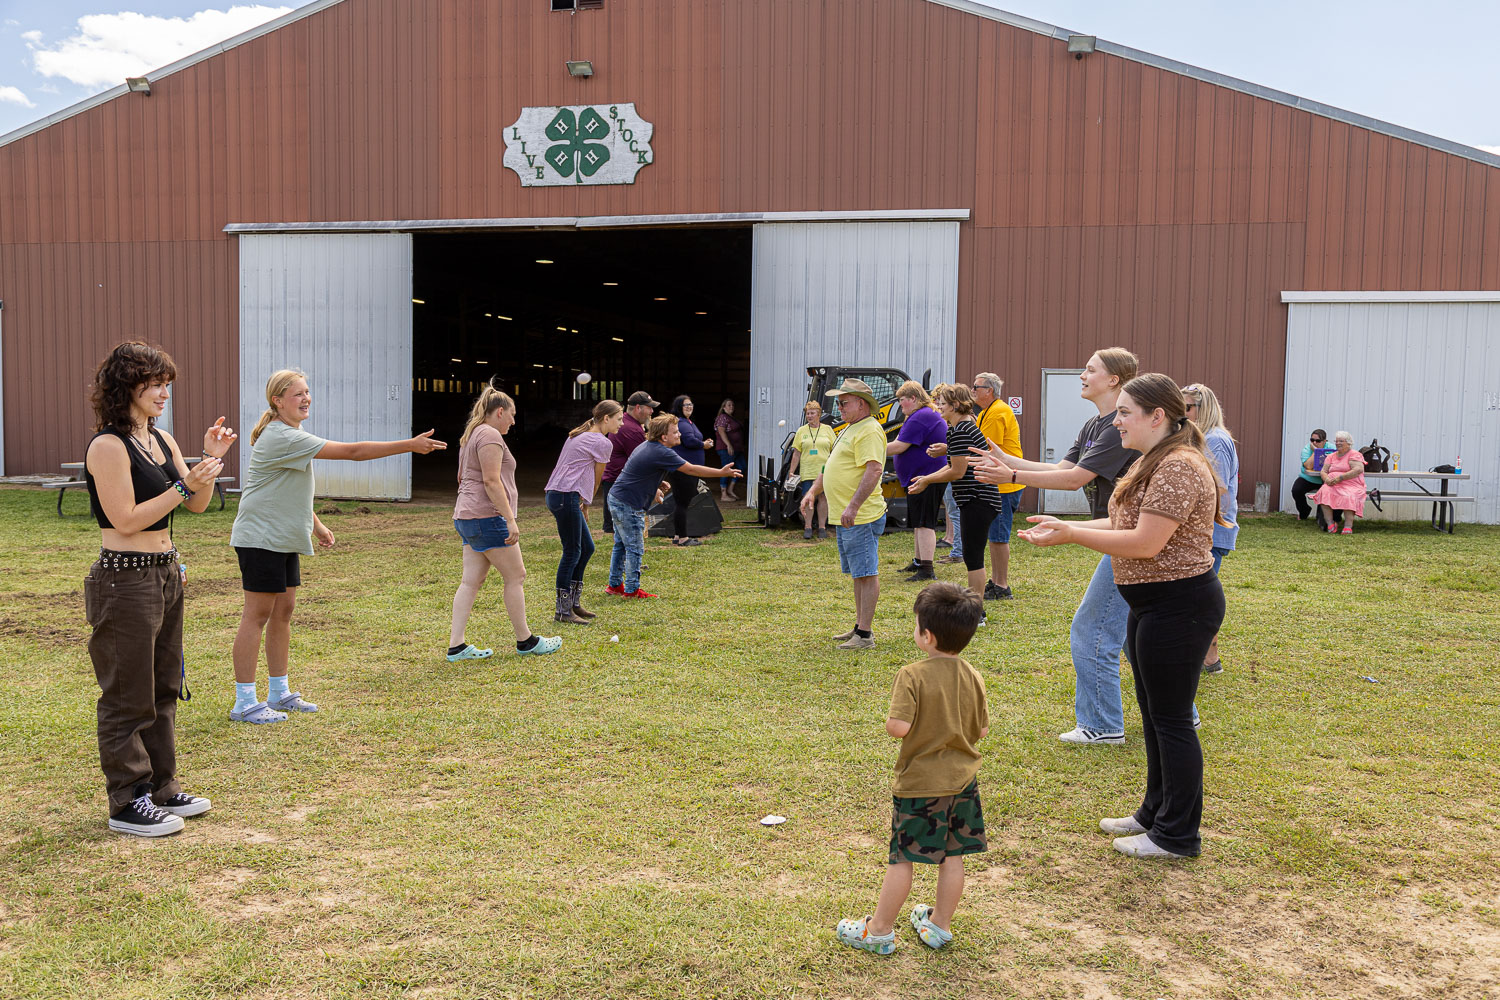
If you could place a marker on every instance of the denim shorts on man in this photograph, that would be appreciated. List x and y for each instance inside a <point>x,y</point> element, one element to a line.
<point>859,548</point>
<point>927,831</point>
<point>480,533</point>
<point>1000,526</point>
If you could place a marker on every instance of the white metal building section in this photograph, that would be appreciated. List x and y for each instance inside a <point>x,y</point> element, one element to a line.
<point>339,308</point>
<point>877,294</point>
<point>1420,371</point>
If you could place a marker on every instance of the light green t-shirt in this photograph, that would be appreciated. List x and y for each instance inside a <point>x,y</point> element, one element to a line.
<point>276,507</point>
<point>814,447</point>
<point>858,445</point>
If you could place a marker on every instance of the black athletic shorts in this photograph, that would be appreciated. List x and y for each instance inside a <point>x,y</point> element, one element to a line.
<point>265,572</point>
<point>922,508</point>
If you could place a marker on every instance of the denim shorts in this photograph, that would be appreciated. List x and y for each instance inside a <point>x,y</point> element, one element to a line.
<point>480,533</point>
<point>1219,554</point>
<point>1000,526</point>
<point>859,548</point>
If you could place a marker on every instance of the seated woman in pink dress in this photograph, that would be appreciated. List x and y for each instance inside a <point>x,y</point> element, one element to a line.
<point>1343,484</point>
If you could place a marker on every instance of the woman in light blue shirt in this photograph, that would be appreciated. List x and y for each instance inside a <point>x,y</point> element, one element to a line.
<point>1203,409</point>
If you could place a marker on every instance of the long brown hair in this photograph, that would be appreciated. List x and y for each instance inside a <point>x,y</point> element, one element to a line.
<point>490,399</point>
<point>127,368</point>
<point>276,385</point>
<point>1155,391</point>
<point>603,410</point>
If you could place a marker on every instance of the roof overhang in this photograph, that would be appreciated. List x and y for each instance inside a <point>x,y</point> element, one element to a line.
<point>601,221</point>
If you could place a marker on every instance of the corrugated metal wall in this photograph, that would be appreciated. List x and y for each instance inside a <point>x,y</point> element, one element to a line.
<point>1422,377</point>
<point>878,294</point>
<point>339,309</point>
<point>1113,201</point>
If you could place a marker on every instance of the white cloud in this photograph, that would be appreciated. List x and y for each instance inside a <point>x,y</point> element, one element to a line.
<point>13,95</point>
<point>109,47</point>
<point>34,37</point>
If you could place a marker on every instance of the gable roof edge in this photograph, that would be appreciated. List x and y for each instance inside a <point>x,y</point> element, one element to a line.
<point>1231,83</point>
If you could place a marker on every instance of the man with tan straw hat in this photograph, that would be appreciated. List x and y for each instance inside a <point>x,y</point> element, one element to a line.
<point>851,478</point>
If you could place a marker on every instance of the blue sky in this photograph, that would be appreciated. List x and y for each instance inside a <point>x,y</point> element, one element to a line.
<point>1428,67</point>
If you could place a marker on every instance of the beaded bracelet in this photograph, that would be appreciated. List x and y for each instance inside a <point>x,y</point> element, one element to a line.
<point>182,489</point>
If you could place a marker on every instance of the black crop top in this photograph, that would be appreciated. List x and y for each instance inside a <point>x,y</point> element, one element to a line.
<point>149,479</point>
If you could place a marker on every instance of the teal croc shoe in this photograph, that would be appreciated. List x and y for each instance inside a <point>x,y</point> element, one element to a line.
<point>931,934</point>
<point>544,645</point>
<point>856,934</point>
<point>291,702</point>
<point>257,714</point>
<point>470,652</point>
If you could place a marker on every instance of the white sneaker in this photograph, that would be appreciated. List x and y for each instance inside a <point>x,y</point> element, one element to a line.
<point>1142,846</point>
<point>1121,826</point>
<point>1091,737</point>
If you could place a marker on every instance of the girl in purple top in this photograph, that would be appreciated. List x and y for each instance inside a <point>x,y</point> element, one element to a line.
<point>571,489</point>
<point>729,434</point>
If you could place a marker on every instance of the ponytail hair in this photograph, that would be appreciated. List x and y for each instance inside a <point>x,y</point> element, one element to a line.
<point>276,385</point>
<point>490,399</point>
<point>1120,363</point>
<point>1155,391</point>
<point>603,410</point>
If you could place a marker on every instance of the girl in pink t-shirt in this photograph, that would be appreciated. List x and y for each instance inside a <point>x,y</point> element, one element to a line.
<point>485,518</point>
<point>570,490</point>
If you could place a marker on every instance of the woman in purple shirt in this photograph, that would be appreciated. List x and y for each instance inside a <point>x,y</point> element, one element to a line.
<point>923,427</point>
<point>570,490</point>
<point>729,434</point>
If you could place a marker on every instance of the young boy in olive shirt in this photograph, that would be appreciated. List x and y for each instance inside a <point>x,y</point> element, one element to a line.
<point>938,712</point>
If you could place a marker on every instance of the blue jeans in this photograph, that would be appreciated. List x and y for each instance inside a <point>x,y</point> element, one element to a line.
<point>577,539</point>
<point>629,547</point>
<point>1097,638</point>
<point>951,505</point>
<point>1219,554</point>
<point>738,458</point>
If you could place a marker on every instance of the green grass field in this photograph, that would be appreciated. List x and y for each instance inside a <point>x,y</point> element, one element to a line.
<point>585,824</point>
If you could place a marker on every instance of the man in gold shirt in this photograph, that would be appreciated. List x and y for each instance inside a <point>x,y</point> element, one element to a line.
<point>851,478</point>
<point>998,423</point>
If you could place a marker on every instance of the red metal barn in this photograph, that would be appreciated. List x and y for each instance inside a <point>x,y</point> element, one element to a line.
<point>366,189</point>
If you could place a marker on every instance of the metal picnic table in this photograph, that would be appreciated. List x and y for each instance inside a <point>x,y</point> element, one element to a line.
<point>1442,501</point>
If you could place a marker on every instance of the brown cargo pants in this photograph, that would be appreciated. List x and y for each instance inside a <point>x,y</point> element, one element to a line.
<point>136,647</point>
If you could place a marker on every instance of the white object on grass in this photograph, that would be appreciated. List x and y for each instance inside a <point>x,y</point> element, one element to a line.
<point>772,820</point>
<point>584,378</point>
<point>614,638</point>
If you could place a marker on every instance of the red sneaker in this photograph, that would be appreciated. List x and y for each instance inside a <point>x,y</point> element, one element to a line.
<point>618,590</point>
<point>635,593</point>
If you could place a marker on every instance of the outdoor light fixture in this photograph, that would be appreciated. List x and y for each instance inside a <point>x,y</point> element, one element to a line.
<point>700,314</point>
<point>419,302</point>
<point>611,284</point>
<point>138,85</point>
<point>618,340</point>
<point>506,318</point>
<point>563,329</point>
<point>661,298</point>
<point>580,67</point>
<point>541,261</point>
<point>458,360</point>
<point>1081,45</point>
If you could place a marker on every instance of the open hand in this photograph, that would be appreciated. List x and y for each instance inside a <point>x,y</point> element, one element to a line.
<point>1048,531</point>
<point>217,439</point>
<point>731,472</point>
<point>918,484</point>
<point>426,444</point>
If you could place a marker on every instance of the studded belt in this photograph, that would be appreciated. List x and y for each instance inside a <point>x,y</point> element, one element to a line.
<point>110,559</point>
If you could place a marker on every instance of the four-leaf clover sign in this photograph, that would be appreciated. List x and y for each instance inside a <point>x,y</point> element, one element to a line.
<point>573,150</point>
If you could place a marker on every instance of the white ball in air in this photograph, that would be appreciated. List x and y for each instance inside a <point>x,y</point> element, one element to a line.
<point>584,378</point>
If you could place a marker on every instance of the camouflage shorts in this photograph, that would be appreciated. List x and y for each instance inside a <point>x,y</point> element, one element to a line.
<point>928,830</point>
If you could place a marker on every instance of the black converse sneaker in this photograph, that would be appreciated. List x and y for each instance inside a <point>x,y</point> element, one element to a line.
<point>183,804</point>
<point>144,818</point>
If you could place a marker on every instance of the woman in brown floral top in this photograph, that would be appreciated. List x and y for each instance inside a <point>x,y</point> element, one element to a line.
<point>1159,535</point>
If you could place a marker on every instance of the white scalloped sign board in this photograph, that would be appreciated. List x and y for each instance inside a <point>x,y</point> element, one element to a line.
<point>578,144</point>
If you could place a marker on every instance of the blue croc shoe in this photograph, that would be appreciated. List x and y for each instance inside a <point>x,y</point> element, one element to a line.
<point>291,702</point>
<point>470,652</point>
<point>544,645</point>
<point>856,934</point>
<point>931,934</point>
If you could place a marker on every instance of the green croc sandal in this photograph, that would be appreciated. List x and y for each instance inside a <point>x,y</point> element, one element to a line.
<point>544,645</point>
<point>856,934</point>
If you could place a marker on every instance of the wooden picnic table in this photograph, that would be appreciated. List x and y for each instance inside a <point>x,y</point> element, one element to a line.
<point>1443,514</point>
<point>75,478</point>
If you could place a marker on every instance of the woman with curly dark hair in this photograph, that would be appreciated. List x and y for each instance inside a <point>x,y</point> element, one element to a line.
<point>132,595</point>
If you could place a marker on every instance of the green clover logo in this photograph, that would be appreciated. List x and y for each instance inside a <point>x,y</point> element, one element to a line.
<point>573,151</point>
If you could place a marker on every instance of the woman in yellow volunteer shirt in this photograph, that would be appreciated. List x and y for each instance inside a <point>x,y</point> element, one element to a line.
<point>810,448</point>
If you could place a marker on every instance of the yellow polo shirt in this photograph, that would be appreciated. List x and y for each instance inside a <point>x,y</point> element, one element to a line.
<point>814,448</point>
<point>858,445</point>
<point>998,423</point>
